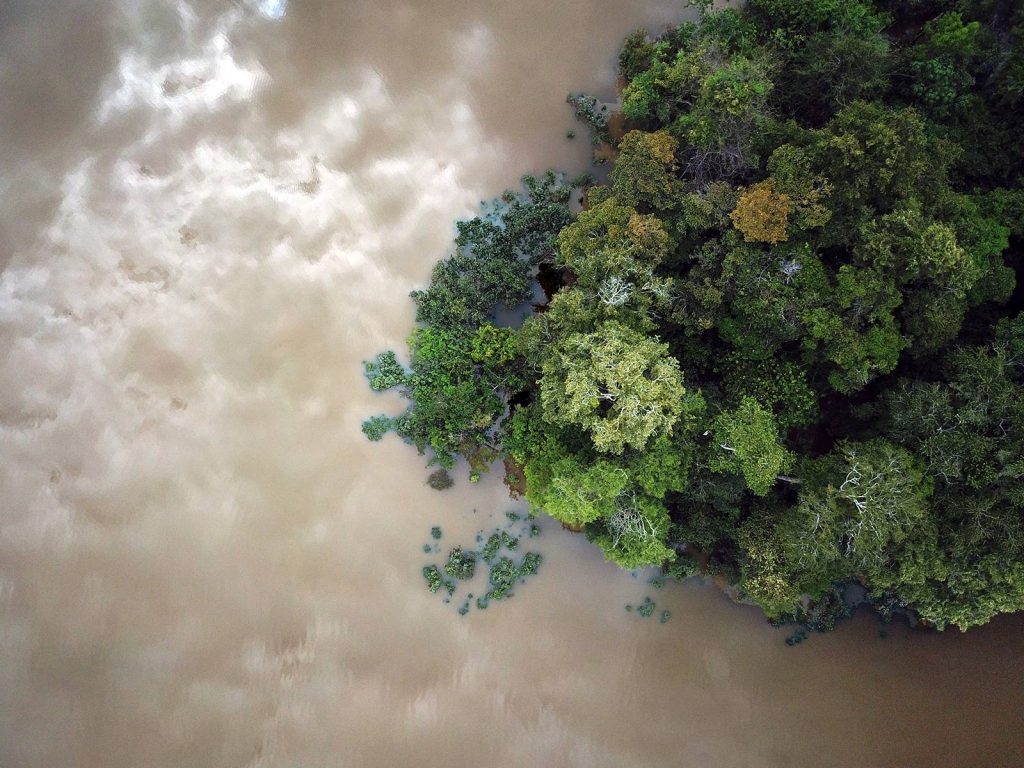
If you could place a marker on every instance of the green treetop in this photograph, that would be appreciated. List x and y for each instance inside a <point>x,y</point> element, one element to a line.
<point>620,386</point>
<point>747,441</point>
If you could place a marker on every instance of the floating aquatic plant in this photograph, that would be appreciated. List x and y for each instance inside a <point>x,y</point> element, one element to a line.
<point>504,573</point>
<point>646,608</point>
<point>440,480</point>
<point>461,564</point>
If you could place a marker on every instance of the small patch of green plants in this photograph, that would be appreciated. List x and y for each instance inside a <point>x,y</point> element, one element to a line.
<point>646,608</point>
<point>590,111</point>
<point>461,564</point>
<point>376,427</point>
<point>504,572</point>
<point>531,564</point>
<point>436,581</point>
<point>681,568</point>
<point>439,479</point>
<point>502,578</point>
<point>491,547</point>
<point>385,372</point>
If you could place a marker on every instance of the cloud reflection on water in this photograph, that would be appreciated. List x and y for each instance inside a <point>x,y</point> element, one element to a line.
<point>209,221</point>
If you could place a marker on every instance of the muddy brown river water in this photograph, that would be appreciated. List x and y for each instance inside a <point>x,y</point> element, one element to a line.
<point>211,213</point>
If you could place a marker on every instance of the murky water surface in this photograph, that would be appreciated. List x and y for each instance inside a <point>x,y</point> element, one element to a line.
<point>211,214</point>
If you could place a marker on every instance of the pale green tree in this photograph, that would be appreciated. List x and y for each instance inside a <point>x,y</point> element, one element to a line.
<point>857,503</point>
<point>633,536</point>
<point>619,385</point>
<point>747,441</point>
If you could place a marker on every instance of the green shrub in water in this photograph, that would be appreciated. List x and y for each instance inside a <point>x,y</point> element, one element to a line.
<point>440,480</point>
<point>461,564</point>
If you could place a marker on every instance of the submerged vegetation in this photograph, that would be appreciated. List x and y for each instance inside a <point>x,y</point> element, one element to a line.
<point>785,337</point>
<point>503,571</point>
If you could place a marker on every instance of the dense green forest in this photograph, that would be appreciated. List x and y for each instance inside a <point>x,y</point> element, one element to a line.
<point>783,342</point>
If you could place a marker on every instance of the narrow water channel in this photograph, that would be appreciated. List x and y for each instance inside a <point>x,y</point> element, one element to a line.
<point>211,213</point>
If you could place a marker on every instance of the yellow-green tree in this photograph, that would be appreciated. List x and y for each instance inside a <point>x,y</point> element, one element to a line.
<point>762,213</point>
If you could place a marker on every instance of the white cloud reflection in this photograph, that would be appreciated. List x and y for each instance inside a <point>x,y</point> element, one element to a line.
<point>273,9</point>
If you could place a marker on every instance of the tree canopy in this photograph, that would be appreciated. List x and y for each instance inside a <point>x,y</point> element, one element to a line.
<point>786,332</point>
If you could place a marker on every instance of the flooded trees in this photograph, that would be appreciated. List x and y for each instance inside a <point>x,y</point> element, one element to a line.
<point>780,333</point>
